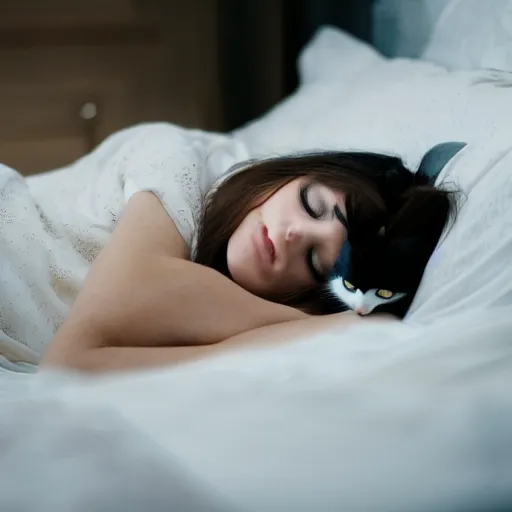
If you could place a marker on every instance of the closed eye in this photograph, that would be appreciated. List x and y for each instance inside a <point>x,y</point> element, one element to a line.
<point>340,216</point>
<point>311,259</point>
<point>317,274</point>
<point>304,200</point>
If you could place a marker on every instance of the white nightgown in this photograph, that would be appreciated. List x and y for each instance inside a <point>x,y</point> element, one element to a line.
<point>53,226</point>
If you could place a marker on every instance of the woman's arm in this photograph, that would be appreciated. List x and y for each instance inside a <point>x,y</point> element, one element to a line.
<point>106,359</point>
<point>141,292</point>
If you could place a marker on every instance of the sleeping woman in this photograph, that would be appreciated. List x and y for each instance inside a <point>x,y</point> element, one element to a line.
<point>147,252</point>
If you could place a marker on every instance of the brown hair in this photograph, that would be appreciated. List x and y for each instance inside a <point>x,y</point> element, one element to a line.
<point>374,186</point>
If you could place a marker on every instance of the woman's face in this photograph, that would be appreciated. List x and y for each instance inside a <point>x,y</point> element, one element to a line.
<point>290,242</point>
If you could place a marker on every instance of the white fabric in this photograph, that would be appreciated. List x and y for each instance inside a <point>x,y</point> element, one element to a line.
<point>380,418</point>
<point>353,98</point>
<point>473,34</point>
<point>409,416</point>
<point>111,467</point>
<point>53,226</point>
<point>471,268</point>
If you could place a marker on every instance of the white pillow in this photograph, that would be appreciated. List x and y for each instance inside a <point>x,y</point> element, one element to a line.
<point>363,101</point>
<point>335,56</point>
<point>472,34</point>
<point>471,268</point>
<point>353,98</point>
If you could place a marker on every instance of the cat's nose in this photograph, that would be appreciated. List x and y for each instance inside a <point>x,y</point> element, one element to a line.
<point>361,311</point>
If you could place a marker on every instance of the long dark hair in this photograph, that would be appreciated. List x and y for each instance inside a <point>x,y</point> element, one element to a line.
<point>379,191</point>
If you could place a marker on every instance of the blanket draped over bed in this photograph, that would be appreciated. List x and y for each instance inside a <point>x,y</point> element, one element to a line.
<point>53,226</point>
<point>418,412</point>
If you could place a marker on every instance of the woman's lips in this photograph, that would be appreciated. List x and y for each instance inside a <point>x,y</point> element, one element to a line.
<point>269,245</point>
<point>264,247</point>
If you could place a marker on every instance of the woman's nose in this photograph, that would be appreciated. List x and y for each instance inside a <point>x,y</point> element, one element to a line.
<point>291,234</point>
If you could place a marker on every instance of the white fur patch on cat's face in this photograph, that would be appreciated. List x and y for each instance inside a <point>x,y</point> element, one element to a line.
<point>355,299</point>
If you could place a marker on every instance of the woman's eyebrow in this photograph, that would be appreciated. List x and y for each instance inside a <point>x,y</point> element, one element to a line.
<point>336,212</point>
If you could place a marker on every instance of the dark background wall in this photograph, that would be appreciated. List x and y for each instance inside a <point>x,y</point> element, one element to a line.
<point>74,72</point>
<point>260,40</point>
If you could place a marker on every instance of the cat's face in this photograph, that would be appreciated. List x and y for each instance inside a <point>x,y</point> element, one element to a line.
<point>382,276</point>
<point>361,302</point>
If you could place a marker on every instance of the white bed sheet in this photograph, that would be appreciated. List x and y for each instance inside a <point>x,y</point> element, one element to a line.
<point>389,418</point>
<point>400,417</point>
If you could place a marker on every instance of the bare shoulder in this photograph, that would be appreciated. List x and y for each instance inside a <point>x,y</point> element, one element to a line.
<point>145,227</point>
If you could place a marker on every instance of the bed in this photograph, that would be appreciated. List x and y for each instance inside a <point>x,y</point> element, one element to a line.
<point>401,417</point>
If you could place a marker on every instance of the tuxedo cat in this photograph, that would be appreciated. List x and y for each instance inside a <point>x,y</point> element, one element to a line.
<point>381,278</point>
<point>383,275</point>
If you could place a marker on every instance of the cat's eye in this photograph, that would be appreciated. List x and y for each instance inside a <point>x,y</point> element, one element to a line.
<point>349,286</point>
<point>384,294</point>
